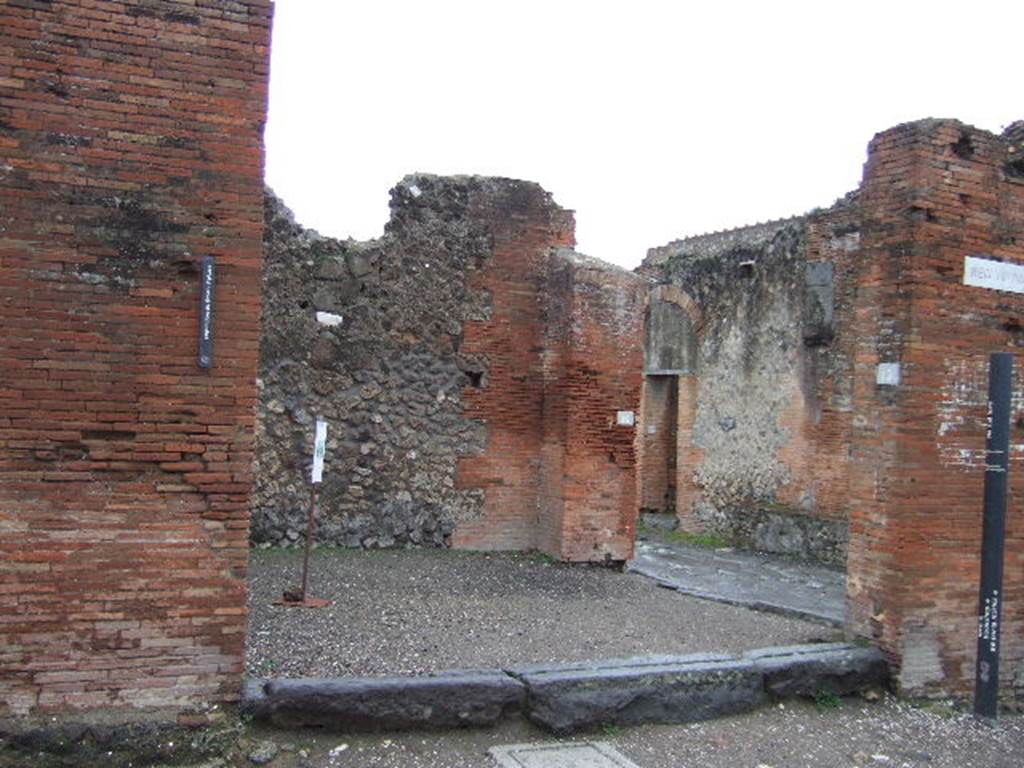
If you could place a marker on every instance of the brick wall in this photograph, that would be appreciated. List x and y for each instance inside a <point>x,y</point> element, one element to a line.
<point>525,225</point>
<point>131,142</point>
<point>658,443</point>
<point>602,378</point>
<point>856,350</point>
<point>468,364</point>
<point>934,192</point>
<point>562,340</point>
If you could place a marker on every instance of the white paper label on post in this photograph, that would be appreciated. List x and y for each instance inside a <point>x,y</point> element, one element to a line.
<point>625,418</point>
<point>319,449</point>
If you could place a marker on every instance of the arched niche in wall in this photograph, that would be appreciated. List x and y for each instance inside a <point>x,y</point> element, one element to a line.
<point>671,326</point>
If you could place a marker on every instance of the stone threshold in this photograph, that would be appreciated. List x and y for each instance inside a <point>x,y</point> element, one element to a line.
<point>570,697</point>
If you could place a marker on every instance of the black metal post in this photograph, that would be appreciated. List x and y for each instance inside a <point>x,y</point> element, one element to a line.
<point>990,598</point>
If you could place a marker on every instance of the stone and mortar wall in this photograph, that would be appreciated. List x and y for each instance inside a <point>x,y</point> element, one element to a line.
<point>368,336</point>
<point>447,358</point>
<point>130,134</point>
<point>765,387</point>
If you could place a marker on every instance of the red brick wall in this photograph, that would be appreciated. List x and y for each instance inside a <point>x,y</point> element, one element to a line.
<point>602,377</point>
<point>688,454</point>
<point>563,349</point>
<point>658,443</point>
<point>131,142</point>
<point>934,192</point>
<point>526,224</point>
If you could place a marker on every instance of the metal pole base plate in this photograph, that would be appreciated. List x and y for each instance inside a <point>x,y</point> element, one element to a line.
<point>309,602</point>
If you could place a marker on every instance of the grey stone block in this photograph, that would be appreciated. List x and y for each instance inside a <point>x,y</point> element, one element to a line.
<point>805,670</point>
<point>640,691</point>
<point>446,700</point>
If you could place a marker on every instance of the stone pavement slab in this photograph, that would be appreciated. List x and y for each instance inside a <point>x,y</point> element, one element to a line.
<point>751,579</point>
<point>587,754</point>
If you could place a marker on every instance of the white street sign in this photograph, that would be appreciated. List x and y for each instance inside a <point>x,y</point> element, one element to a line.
<point>319,449</point>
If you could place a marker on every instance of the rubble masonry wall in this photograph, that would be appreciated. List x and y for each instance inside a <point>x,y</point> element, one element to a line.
<point>470,365</point>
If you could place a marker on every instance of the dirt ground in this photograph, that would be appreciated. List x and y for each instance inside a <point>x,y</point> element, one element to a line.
<point>853,734</point>
<point>416,611</point>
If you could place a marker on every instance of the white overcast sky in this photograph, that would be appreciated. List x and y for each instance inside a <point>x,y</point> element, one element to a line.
<point>652,120</point>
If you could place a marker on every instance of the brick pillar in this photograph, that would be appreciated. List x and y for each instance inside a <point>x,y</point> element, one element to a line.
<point>934,192</point>
<point>688,455</point>
<point>525,225</point>
<point>601,380</point>
<point>131,145</point>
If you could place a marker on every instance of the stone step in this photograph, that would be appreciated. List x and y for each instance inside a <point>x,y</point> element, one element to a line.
<point>573,696</point>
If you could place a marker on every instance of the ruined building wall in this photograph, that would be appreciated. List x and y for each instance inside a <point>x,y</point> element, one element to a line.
<point>131,142</point>
<point>764,390</point>
<point>442,356</point>
<point>368,336</point>
<point>600,385</point>
<point>842,378</point>
<point>933,193</point>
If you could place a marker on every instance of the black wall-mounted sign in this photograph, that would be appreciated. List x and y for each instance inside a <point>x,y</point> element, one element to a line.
<point>206,294</point>
<point>993,535</point>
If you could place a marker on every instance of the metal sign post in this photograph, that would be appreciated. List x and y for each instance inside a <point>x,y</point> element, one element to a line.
<point>301,597</point>
<point>993,534</point>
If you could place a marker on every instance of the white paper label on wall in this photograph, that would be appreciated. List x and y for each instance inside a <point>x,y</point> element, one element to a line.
<point>319,449</point>
<point>888,374</point>
<point>994,275</point>
<point>625,418</point>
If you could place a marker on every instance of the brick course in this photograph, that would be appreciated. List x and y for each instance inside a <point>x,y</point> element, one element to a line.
<point>131,143</point>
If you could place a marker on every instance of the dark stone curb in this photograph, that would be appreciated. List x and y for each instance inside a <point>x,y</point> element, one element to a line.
<point>635,691</point>
<point>448,700</point>
<point>568,697</point>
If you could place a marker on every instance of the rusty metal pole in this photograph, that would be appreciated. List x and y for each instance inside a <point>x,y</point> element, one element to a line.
<point>291,597</point>
<point>310,526</point>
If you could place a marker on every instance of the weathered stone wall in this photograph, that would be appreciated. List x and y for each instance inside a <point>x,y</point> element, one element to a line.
<point>762,386</point>
<point>444,356</point>
<point>368,336</point>
<point>130,138</point>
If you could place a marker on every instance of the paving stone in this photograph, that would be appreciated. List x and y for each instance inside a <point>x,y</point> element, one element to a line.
<point>588,754</point>
<point>763,582</point>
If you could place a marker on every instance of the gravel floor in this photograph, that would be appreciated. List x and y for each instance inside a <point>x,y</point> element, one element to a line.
<point>415,611</point>
<point>856,734</point>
